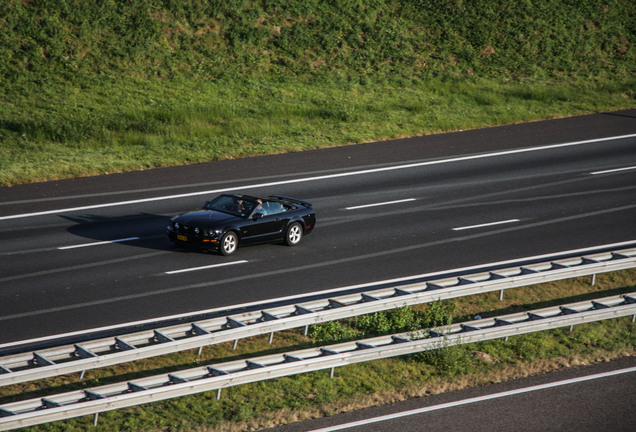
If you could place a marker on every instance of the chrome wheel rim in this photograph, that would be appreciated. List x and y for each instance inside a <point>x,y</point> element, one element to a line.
<point>229,244</point>
<point>294,234</point>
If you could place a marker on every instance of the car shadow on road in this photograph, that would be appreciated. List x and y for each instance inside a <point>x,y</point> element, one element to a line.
<point>143,230</point>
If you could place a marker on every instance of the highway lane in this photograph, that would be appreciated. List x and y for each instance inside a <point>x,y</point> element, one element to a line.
<point>384,211</point>
<point>589,398</point>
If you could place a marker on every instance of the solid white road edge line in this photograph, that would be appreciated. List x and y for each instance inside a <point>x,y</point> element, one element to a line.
<point>98,243</point>
<point>486,225</point>
<point>329,291</point>
<point>380,204</point>
<point>323,177</point>
<point>613,170</point>
<point>476,399</point>
<point>205,267</point>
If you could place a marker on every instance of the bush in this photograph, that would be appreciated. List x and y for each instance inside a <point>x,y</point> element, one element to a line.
<point>392,321</point>
<point>404,319</point>
<point>331,332</point>
<point>448,360</point>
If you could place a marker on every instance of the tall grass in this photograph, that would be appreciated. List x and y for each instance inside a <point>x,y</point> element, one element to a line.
<point>379,38</point>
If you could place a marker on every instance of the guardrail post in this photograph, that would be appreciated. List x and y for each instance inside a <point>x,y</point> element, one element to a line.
<point>331,372</point>
<point>218,394</point>
<point>95,419</point>
<point>235,344</point>
<point>593,280</point>
<point>271,338</point>
<point>306,330</point>
<point>82,375</point>
<point>200,350</point>
<point>501,295</point>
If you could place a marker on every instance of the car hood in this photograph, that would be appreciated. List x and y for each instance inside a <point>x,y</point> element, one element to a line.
<point>205,219</point>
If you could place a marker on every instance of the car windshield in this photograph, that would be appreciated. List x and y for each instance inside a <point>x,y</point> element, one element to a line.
<point>232,204</point>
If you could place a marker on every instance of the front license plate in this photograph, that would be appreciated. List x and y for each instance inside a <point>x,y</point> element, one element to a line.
<point>182,238</point>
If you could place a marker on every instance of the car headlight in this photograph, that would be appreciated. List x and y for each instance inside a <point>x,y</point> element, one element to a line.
<point>197,231</point>
<point>176,225</point>
<point>211,232</point>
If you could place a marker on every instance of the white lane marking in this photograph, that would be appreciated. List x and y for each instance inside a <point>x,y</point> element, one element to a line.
<point>98,243</point>
<point>613,170</point>
<point>205,267</point>
<point>283,299</point>
<point>322,177</point>
<point>476,400</point>
<point>380,204</point>
<point>486,225</point>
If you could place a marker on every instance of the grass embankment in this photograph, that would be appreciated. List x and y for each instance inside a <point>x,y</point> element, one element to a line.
<point>314,394</point>
<point>99,87</point>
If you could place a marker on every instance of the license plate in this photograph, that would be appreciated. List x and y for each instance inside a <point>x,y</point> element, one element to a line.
<point>182,238</point>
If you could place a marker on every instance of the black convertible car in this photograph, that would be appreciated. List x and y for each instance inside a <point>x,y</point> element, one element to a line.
<point>231,220</point>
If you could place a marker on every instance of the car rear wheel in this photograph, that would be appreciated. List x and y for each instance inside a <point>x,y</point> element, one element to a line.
<point>294,234</point>
<point>229,243</point>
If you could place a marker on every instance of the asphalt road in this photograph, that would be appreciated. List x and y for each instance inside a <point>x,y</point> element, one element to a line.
<point>92,252</point>
<point>601,397</point>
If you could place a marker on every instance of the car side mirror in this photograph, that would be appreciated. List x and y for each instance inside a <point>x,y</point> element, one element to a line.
<point>258,216</point>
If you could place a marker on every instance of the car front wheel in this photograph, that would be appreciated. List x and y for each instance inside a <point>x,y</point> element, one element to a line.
<point>294,234</point>
<point>229,243</point>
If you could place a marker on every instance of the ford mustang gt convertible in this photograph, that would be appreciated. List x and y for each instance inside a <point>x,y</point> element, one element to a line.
<point>231,220</point>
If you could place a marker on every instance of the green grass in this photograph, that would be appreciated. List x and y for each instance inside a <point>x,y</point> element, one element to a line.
<point>263,404</point>
<point>165,124</point>
<point>99,87</point>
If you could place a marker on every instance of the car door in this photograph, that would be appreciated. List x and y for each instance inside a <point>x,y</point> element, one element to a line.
<point>267,227</point>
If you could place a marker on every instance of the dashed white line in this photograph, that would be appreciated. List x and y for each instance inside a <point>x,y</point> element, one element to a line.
<point>205,267</point>
<point>321,177</point>
<point>380,204</point>
<point>613,170</point>
<point>98,243</point>
<point>486,225</point>
<point>476,399</point>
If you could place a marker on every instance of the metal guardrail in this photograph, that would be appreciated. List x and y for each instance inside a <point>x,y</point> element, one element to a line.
<point>135,346</point>
<point>223,375</point>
